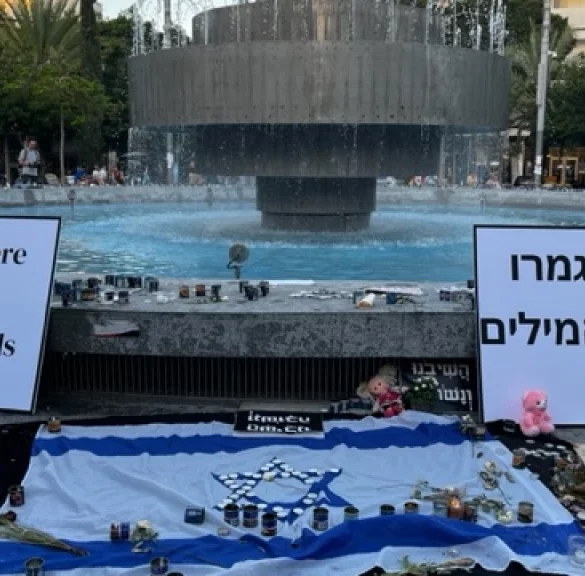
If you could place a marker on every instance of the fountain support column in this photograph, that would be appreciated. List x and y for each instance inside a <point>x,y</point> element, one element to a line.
<point>316,204</point>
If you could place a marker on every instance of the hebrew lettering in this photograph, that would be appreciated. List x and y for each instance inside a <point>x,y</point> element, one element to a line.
<point>534,324</point>
<point>560,326</point>
<point>526,258</point>
<point>581,274</point>
<point>565,275</point>
<point>487,336</point>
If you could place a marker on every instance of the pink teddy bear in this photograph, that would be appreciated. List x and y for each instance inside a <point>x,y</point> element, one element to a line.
<point>535,419</point>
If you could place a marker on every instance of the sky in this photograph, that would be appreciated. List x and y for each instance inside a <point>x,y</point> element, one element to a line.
<point>188,8</point>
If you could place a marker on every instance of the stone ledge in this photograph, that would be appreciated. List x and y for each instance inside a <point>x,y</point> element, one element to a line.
<point>273,327</point>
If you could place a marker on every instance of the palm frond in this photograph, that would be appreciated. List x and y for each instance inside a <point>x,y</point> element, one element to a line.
<point>42,29</point>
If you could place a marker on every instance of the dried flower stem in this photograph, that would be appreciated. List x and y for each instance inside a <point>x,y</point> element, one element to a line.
<point>10,530</point>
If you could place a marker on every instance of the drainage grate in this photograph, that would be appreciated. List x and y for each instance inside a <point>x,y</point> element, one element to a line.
<point>292,379</point>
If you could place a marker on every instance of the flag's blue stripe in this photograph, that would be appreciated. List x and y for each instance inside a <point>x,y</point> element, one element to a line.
<point>392,436</point>
<point>357,537</point>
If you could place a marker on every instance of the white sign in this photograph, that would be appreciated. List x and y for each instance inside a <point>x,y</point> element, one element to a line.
<point>28,252</point>
<point>530,285</point>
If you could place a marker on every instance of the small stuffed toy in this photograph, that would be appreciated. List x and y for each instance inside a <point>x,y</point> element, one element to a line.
<point>535,419</point>
<point>383,391</point>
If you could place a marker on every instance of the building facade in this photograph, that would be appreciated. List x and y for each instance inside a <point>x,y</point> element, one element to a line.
<point>574,11</point>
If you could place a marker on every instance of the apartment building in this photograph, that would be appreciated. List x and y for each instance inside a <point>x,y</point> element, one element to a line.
<point>574,11</point>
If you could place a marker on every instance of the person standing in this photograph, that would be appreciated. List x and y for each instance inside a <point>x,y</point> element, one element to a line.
<point>29,161</point>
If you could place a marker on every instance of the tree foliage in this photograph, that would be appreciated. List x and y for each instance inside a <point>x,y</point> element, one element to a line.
<point>41,30</point>
<point>525,59</point>
<point>116,46</point>
<point>42,85</point>
<point>566,115</point>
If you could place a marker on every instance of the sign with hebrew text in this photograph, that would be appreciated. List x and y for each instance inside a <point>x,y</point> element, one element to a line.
<point>530,284</point>
<point>457,379</point>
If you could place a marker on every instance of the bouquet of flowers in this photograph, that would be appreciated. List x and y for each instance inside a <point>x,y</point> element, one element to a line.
<point>422,393</point>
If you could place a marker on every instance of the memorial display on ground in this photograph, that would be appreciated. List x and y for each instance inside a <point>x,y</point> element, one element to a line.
<point>409,490</point>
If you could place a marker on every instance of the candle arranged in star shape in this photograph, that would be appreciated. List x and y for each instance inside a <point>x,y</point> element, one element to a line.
<point>241,486</point>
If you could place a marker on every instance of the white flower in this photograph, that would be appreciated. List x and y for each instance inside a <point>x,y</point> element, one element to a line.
<point>424,386</point>
<point>416,388</point>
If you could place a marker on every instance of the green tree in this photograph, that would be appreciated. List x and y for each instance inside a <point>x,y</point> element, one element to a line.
<point>91,66</point>
<point>525,60</point>
<point>41,30</point>
<point>13,99</point>
<point>523,15</point>
<point>116,37</point>
<point>566,116</point>
<point>65,98</point>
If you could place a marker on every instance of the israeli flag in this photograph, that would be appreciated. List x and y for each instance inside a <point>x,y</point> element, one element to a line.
<point>86,478</point>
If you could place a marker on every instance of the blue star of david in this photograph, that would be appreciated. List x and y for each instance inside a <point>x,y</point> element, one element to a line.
<point>241,487</point>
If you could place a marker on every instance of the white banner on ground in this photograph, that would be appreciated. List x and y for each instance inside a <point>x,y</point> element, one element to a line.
<point>28,253</point>
<point>530,285</point>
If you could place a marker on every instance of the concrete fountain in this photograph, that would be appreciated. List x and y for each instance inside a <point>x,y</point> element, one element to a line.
<point>318,98</point>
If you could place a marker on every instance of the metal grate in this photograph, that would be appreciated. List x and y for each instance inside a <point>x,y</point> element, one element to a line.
<point>237,378</point>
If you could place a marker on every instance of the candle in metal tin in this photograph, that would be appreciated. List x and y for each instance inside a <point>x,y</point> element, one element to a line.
<point>250,519</point>
<point>264,288</point>
<point>88,295</point>
<point>54,425</point>
<point>269,524</point>
<point>455,509</point>
<point>152,285</point>
<point>216,291</point>
<point>411,508</point>
<point>440,508</point>
<point>66,297</point>
<point>231,514</point>
<point>200,290</point>
<point>16,496</point>
<point>350,513</point>
<point>184,292</point>
<point>59,287</point>
<point>387,510</point>
<point>242,286</point>
<point>123,297</point>
<point>469,512</point>
<point>109,296</point>
<point>251,292</point>
<point>525,512</point>
<point>114,531</point>
<point>125,531</point>
<point>34,567</point>
<point>518,458</point>
<point>195,515</point>
<point>93,282</point>
<point>110,280</point>
<point>358,295</point>
<point>320,519</point>
<point>159,566</point>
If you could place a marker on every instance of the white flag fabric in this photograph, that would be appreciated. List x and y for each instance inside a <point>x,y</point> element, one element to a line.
<point>84,479</point>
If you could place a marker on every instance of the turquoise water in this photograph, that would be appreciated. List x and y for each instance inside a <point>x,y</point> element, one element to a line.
<point>191,240</point>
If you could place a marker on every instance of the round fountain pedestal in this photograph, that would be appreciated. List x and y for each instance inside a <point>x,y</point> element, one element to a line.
<point>316,204</point>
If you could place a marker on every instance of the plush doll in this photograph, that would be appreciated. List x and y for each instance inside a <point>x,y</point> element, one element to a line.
<point>535,419</point>
<point>383,391</point>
